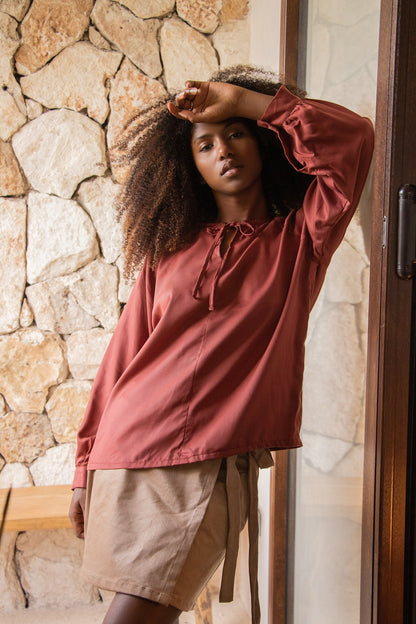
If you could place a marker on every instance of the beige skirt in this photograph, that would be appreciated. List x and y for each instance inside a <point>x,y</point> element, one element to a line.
<point>161,533</point>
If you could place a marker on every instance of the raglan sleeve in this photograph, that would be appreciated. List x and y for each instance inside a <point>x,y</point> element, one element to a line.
<point>132,331</point>
<point>333,144</point>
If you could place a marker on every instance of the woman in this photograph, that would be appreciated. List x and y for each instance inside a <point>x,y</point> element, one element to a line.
<point>239,194</point>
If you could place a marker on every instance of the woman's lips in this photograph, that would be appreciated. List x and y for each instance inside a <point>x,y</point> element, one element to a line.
<point>230,168</point>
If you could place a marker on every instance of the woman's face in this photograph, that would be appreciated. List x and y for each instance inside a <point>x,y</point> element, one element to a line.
<point>227,156</point>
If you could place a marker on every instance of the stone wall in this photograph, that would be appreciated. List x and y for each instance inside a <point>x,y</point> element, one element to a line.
<point>72,73</point>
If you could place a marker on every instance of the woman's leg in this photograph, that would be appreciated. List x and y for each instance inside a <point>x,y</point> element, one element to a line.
<point>127,609</point>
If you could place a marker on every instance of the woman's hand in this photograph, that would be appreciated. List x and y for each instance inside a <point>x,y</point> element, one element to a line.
<point>213,102</point>
<point>77,511</point>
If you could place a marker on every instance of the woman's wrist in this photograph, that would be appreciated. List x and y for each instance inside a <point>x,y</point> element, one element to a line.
<point>252,105</point>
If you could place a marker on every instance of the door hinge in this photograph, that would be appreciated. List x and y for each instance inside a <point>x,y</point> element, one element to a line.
<point>384,234</point>
<point>406,232</point>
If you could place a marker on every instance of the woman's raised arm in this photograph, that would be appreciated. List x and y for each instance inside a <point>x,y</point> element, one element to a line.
<point>212,102</point>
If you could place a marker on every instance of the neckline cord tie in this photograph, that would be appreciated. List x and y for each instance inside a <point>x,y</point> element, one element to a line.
<point>245,228</point>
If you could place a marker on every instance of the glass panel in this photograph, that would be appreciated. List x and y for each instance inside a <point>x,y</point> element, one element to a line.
<point>341,67</point>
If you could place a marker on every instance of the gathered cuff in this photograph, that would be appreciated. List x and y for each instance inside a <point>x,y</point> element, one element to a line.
<point>80,477</point>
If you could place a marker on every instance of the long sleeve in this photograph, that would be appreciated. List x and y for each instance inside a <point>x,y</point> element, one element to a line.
<point>132,330</point>
<point>335,145</point>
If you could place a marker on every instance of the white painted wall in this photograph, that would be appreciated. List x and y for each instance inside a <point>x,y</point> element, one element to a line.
<point>265,33</point>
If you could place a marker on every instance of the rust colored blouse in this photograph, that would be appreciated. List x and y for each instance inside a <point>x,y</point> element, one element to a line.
<point>207,358</point>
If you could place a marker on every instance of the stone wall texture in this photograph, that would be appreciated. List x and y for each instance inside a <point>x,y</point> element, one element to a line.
<point>72,73</point>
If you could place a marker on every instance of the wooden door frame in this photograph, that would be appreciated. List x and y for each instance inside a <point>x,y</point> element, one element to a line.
<point>385,472</point>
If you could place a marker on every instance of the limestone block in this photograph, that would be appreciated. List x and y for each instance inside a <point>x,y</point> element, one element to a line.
<point>59,149</point>
<point>15,8</point>
<point>75,79</point>
<point>200,14</point>
<point>23,437</point>
<point>26,314</point>
<point>11,180</point>
<point>66,408</point>
<point>186,54</point>
<point>345,58</point>
<point>11,119</point>
<point>9,84</point>
<point>149,8</point>
<point>320,50</point>
<point>50,564</point>
<point>12,261</point>
<point>316,313</point>
<point>334,374</point>
<point>55,467</point>
<point>30,363</point>
<point>234,10</point>
<point>96,291</point>
<point>322,452</point>
<point>131,92</point>
<point>306,470</point>
<point>346,15</point>
<point>356,91</point>
<point>360,433</point>
<point>372,67</point>
<point>352,464</point>
<point>50,26</point>
<point>344,276</point>
<point>61,237</point>
<point>125,285</point>
<point>98,197</point>
<point>15,475</point>
<point>362,316</point>
<point>33,109</point>
<point>232,42</point>
<point>11,594</point>
<point>79,301</point>
<point>355,237</point>
<point>362,219</point>
<point>97,39</point>
<point>85,351</point>
<point>56,308</point>
<point>135,37</point>
<point>9,42</point>
<point>9,38</point>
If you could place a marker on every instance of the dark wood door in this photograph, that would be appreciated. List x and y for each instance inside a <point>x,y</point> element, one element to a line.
<point>386,594</point>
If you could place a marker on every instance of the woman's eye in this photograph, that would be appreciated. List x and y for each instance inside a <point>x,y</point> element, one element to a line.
<point>205,148</point>
<point>236,135</point>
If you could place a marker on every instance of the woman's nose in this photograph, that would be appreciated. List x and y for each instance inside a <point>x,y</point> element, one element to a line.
<point>224,150</point>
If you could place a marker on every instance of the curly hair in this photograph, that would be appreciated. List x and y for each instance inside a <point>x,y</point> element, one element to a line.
<point>164,203</point>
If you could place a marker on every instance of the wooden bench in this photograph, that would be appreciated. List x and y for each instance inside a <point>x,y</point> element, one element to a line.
<point>46,507</point>
<point>37,507</point>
